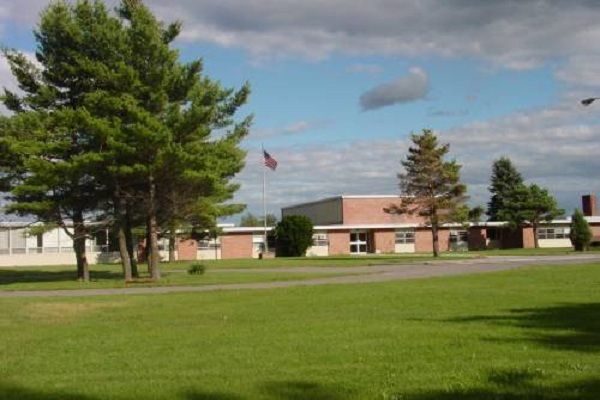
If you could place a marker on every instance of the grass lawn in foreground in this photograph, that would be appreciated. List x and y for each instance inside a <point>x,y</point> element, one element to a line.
<point>532,333</point>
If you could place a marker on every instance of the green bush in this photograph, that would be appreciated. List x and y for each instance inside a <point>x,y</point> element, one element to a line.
<point>293,236</point>
<point>581,234</point>
<point>197,269</point>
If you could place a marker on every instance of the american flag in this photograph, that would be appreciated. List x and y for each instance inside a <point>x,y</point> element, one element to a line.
<point>269,161</point>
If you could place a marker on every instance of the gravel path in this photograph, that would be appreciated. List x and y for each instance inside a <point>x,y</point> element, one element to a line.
<point>366,274</point>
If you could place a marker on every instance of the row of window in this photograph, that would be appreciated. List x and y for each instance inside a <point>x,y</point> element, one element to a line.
<point>553,233</point>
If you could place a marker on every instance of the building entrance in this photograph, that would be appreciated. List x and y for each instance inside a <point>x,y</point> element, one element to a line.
<point>358,242</point>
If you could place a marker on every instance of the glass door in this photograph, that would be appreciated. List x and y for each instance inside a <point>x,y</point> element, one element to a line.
<point>358,242</point>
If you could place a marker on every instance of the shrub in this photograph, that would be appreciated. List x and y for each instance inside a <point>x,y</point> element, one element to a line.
<point>197,269</point>
<point>581,234</point>
<point>293,236</point>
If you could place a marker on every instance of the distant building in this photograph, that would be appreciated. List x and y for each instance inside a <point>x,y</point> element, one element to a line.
<point>342,225</point>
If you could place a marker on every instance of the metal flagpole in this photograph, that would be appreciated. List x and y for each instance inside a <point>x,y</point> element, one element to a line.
<point>264,167</point>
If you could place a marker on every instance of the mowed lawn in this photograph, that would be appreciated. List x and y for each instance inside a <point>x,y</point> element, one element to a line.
<point>532,333</point>
<point>217,272</point>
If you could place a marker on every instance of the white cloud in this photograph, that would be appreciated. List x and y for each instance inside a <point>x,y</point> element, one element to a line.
<point>411,87</point>
<point>556,147</point>
<point>293,128</point>
<point>514,34</point>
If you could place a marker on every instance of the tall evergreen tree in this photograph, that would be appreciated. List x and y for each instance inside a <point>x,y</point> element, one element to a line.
<point>113,125</point>
<point>529,205</point>
<point>430,183</point>
<point>505,178</point>
<point>196,167</point>
<point>580,234</point>
<point>56,157</point>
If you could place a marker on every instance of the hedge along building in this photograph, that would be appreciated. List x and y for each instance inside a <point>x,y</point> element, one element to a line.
<point>360,225</point>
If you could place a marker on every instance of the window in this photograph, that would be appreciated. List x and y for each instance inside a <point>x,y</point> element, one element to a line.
<point>320,239</point>
<point>404,236</point>
<point>208,244</point>
<point>553,233</point>
<point>458,236</point>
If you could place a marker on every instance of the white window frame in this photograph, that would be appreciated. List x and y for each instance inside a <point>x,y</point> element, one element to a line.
<point>405,236</point>
<point>549,232</point>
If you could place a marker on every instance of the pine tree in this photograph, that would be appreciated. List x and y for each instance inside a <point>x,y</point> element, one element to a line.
<point>196,167</point>
<point>431,185</point>
<point>57,155</point>
<point>505,177</point>
<point>529,205</point>
<point>581,234</point>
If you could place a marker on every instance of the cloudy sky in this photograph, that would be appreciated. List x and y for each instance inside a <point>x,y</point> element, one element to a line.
<point>338,86</point>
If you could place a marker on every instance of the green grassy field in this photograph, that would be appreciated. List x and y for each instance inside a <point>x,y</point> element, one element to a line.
<point>531,333</point>
<point>110,276</point>
<point>337,261</point>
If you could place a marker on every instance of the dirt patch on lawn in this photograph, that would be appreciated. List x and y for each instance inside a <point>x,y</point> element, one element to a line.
<point>64,312</point>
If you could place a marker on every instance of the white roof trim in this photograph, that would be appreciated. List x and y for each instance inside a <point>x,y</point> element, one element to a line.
<point>371,196</point>
<point>246,229</point>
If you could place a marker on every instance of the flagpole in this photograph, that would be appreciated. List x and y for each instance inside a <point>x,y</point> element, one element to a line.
<point>264,167</point>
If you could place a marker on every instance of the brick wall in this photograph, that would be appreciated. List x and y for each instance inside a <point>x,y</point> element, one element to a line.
<point>339,242</point>
<point>236,245</point>
<point>424,240</point>
<point>187,249</point>
<point>528,238</point>
<point>371,211</point>
<point>477,238</point>
<point>588,203</point>
<point>385,240</point>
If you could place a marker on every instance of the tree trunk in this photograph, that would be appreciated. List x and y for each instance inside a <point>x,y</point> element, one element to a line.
<point>153,230</point>
<point>147,250</point>
<point>172,242</point>
<point>436,240</point>
<point>125,260</point>
<point>120,214</point>
<point>130,245</point>
<point>79,235</point>
<point>536,242</point>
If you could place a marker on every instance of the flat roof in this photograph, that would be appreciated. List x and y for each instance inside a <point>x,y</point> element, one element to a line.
<point>347,196</point>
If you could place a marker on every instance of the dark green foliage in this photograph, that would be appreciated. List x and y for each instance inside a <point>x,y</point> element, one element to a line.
<point>581,234</point>
<point>197,269</point>
<point>430,183</point>
<point>294,236</point>
<point>505,178</point>
<point>115,127</point>
<point>529,205</point>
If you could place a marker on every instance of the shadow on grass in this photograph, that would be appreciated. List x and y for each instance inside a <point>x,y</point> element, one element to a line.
<point>8,277</point>
<point>9,391</point>
<point>566,326</point>
<point>513,385</point>
<point>281,390</point>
